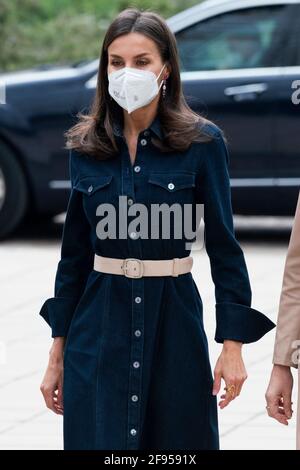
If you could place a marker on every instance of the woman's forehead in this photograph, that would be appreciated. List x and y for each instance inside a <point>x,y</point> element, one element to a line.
<point>133,45</point>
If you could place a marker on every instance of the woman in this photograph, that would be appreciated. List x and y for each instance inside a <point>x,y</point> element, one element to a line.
<point>287,340</point>
<point>134,371</point>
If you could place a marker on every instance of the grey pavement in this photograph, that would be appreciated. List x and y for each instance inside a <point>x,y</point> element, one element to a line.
<point>27,271</point>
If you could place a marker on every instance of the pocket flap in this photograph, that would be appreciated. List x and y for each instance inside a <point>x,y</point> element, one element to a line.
<point>172,182</point>
<point>90,184</point>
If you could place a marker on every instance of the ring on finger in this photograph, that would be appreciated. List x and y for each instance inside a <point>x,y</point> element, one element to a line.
<point>231,389</point>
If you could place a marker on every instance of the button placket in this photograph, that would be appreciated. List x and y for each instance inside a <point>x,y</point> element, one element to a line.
<point>136,361</point>
<point>134,397</point>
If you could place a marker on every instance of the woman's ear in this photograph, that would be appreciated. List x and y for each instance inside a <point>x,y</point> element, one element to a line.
<point>166,73</point>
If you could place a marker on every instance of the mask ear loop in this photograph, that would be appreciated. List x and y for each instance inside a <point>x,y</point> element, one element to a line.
<point>160,71</point>
<point>161,83</point>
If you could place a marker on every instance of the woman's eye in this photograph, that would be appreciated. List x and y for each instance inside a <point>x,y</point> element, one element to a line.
<point>117,63</point>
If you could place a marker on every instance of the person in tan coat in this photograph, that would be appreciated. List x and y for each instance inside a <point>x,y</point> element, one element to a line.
<point>287,340</point>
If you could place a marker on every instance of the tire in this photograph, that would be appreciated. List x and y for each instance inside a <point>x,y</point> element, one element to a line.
<point>13,192</point>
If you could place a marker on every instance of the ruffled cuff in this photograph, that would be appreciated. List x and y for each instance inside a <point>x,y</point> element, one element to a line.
<point>58,313</point>
<point>239,322</point>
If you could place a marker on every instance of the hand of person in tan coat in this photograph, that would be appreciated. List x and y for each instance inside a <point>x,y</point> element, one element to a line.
<point>287,341</point>
<point>279,394</point>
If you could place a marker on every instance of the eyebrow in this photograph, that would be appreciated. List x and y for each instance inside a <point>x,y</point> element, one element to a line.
<point>135,57</point>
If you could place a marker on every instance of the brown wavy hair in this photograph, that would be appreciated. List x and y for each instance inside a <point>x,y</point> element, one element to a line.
<point>93,133</point>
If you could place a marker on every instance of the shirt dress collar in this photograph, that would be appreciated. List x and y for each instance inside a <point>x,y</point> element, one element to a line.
<point>155,127</point>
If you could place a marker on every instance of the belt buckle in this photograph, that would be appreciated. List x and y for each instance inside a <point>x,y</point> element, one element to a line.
<point>124,267</point>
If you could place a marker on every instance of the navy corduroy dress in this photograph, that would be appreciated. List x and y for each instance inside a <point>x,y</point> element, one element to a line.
<point>136,365</point>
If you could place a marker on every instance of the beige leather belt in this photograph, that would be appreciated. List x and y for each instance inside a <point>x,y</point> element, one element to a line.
<point>137,268</point>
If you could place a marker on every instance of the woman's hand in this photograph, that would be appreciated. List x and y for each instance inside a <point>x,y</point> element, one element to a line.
<point>279,394</point>
<point>52,383</point>
<point>231,368</point>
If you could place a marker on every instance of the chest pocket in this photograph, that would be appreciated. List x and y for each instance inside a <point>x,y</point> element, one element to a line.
<point>171,188</point>
<point>89,185</point>
<point>95,190</point>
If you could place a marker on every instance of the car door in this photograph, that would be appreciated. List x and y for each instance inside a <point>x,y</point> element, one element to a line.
<point>232,65</point>
<point>287,126</point>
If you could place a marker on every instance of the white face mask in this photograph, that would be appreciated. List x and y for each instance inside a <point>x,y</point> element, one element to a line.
<point>133,88</point>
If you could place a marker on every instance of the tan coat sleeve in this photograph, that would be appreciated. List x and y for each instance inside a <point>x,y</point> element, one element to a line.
<point>288,321</point>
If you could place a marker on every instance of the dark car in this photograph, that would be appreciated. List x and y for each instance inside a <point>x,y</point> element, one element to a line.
<point>240,67</point>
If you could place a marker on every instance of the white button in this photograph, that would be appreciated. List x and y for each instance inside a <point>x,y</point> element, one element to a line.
<point>137,168</point>
<point>90,189</point>
<point>144,142</point>
<point>134,398</point>
<point>138,333</point>
<point>133,432</point>
<point>171,186</point>
<point>136,364</point>
<point>130,201</point>
<point>133,235</point>
<point>138,300</point>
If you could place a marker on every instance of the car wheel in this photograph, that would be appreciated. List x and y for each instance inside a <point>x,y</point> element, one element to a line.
<point>13,192</point>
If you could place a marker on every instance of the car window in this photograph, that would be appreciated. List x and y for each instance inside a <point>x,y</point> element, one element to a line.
<point>295,38</point>
<point>253,37</point>
<point>297,44</point>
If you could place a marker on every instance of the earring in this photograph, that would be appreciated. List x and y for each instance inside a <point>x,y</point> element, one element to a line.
<point>164,88</point>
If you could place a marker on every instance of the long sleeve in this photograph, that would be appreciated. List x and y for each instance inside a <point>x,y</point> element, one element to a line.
<point>287,340</point>
<point>235,318</point>
<point>74,266</point>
